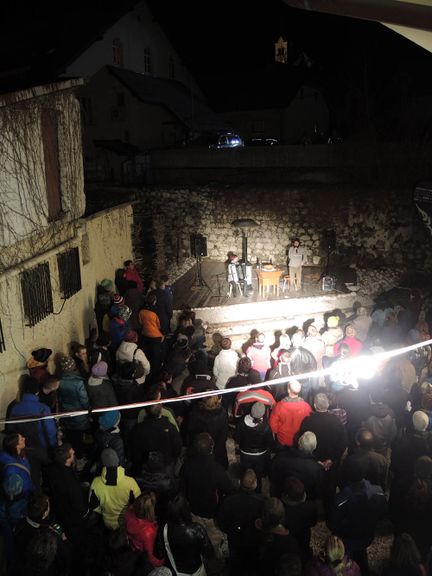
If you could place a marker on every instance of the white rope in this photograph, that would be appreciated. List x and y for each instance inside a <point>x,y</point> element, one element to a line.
<point>354,363</point>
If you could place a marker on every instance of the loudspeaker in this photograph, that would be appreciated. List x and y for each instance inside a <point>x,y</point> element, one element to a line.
<point>328,284</point>
<point>329,239</point>
<point>198,245</point>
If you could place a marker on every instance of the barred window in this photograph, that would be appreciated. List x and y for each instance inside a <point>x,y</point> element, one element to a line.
<point>69,272</point>
<point>2,340</point>
<point>37,293</point>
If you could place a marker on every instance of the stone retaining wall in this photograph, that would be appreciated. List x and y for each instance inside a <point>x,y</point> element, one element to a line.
<point>374,228</point>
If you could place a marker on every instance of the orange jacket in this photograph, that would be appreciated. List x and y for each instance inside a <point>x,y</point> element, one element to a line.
<point>150,324</point>
<point>286,418</point>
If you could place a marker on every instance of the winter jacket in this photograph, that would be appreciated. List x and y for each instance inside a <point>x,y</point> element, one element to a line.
<point>188,542</point>
<point>73,396</point>
<point>101,392</point>
<point>253,437</point>
<point>142,535</point>
<point>260,356</point>
<point>330,337</point>
<point>330,434</point>
<point>205,482</point>
<point>382,424</point>
<point>111,438</point>
<point>225,366</point>
<point>354,345</point>
<point>132,275</point>
<point>15,465</point>
<point>286,418</point>
<point>301,465</point>
<point>113,499</point>
<point>42,434</point>
<point>38,370</point>
<point>128,352</point>
<point>215,422</point>
<point>150,324</point>
<point>154,435</point>
<point>282,370</point>
<point>316,347</point>
<point>163,309</point>
<point>67,497</point>
<point>118,329</point>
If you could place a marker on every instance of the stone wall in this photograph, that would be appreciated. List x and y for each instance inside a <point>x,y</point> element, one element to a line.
<point>374,228</point>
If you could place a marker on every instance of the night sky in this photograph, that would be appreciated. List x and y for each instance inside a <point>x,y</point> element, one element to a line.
<point>370,76</point>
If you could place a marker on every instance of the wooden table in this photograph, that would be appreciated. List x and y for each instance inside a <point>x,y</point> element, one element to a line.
<point>268,279</point>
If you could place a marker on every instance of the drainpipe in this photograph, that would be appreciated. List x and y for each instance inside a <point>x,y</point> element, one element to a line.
<point>417,16</point>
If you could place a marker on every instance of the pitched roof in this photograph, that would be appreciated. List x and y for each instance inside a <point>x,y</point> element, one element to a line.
<point>192,111</point>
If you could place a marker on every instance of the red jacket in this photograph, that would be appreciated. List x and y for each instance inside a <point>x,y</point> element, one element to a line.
<point>142,534</point>
<point>132,275</point>
<point>286,418</point>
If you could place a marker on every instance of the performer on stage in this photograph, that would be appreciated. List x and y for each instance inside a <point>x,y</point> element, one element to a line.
<point>296,259</point>
<point>235,275</point>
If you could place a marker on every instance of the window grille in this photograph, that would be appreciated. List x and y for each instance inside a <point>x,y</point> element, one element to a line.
<point>2,340</point>
<point>37,293</point>
<point>69,272</point>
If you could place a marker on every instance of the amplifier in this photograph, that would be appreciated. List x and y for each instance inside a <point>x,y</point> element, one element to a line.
<point>328,284</point>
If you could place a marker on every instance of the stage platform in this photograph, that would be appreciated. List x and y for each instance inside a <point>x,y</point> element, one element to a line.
<point>236,317</point>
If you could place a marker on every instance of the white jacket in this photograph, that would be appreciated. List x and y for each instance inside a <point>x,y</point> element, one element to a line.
<point>225,366</point>
<point>125,353</point>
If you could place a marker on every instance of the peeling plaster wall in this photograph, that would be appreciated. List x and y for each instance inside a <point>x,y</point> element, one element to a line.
<point>104,242</point>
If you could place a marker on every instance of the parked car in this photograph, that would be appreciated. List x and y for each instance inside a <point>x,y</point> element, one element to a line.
<point>227,140</point>
<point>263,142</point>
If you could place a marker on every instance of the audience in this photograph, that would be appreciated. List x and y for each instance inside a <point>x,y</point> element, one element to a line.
<point>191,486</point>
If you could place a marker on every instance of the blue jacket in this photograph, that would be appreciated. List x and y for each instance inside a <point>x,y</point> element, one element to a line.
<point>42,434</point>
<point>73,396</point>
<point>7,467</point>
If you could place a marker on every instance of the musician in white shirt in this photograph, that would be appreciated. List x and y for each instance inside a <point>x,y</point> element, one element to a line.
<point>296,257</point>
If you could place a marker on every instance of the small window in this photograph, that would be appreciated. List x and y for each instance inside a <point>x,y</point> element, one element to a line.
<point>2,340</point>
<point>37,293</point>
<point>147,61</point>
<point>69,272</point>
<point>117,52</point>
<point>171,68</point>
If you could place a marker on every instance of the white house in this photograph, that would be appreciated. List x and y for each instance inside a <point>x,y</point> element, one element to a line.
<point>51,258</point>
<point>138,95</point>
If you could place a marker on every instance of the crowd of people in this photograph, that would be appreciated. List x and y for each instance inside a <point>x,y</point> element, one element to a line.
<point>229,483</point>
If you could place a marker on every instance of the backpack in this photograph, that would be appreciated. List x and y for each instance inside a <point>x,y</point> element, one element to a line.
<point>127,370</point>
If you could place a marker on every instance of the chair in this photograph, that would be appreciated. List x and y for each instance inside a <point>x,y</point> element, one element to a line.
<point>230,291</point>
<point>286,282</point>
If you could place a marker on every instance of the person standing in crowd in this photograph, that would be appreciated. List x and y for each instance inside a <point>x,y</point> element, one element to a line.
<point>38,364</point>
<point>333,561</point>
<point>225,363</point>
<point>152,336</point>
<point>112,491</point>
<point>255,440</point>
<point>48,393</point>
<point>128,354</point>
<point>288,414</point>
<point>351,340</point>
<point>260,355</point>
<point>80,356</point>
<point>314,343</point>
<point>73,397</point>
<point>131,274</point>
<point>296,259</point>
<point>163,306</point>
<point>40,436</point>
<point>99,387</point>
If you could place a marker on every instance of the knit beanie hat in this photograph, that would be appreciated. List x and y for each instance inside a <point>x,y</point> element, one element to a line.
<point>109,419</point>
<point>118,300</point>
<point>67,364</point>
<point>109,458</point>
<point>124,312</point>
<point>257,410</point>
<point>333,321</point>
<point>100,369</point>
<point>131,336</point>
<point>420,421</point>
<point>107,284</point>
<point>41,354</point>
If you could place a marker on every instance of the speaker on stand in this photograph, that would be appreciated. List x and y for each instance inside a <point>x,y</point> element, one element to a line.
<point>198,246</point>
<point>328,242</point>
